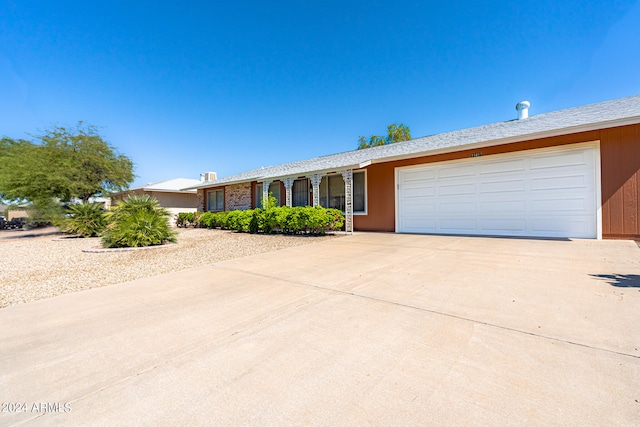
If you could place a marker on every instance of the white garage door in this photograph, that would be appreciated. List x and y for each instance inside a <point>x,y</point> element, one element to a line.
<point>535,193</point>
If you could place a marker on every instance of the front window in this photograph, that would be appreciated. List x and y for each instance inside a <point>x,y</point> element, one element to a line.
<point>274,190</point>
<point>300,192</point>
<point>359,192</point>
<point>215,200</point>
<point>332,192</point>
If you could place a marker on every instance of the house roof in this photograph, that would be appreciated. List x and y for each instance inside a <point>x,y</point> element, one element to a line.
<point>177,185</point>
<point>602,115</point>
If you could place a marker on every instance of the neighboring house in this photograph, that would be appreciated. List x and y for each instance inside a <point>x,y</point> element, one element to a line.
<point>169,194</point>
<point>14,212</point>
<point>568,173</point>
<point>104,201</point>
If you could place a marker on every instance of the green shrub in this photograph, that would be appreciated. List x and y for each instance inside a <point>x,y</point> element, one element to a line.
<point>239,220</point>
<point>188,219</point>
<point>283,219</point>
<point>183,219</point>
<point>269,220</point>
<point>290,220</point>
<point>336,219</point>
<point>220,220</point>
<point>85,219</point>
<point>256,222</point>
<point>137,221</point>
<point>205,219</point>
<point>270,202</point>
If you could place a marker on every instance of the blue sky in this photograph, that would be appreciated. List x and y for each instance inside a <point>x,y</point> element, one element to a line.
<point>194,86</point>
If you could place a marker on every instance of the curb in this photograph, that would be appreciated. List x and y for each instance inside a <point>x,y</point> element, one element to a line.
<point>143,248</point>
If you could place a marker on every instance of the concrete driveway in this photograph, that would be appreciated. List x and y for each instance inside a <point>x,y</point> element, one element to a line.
<point>369,329</point>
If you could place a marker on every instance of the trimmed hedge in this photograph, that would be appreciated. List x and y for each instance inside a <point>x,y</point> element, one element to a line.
<point>283,219</point>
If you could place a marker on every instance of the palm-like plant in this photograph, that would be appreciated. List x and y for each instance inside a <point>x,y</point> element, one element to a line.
<point>85,219</point>
<point>137,221</point>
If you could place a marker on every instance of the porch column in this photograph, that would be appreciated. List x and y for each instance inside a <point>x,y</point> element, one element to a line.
<point>288,184</point>
<point>315,182</point>
<point>265,190</point>
<point>347,175</point>
<point>200,204</point>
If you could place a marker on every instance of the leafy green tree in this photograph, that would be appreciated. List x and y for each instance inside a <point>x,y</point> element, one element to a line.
<point>137,221</point>
<point>62,164</point>
<point>396,132</point>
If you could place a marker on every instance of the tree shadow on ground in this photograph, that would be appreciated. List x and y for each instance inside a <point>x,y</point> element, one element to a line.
<point>35,232</point>
<point>620,280</point>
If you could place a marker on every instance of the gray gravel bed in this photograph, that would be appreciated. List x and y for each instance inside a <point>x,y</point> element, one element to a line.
<point>40,267</point>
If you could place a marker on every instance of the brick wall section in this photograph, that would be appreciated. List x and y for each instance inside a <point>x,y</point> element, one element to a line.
<point>200,204</point>
<point>237,196</point>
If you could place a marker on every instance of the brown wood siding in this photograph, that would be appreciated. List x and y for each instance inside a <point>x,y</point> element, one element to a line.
<point>620,158</point>
<point>620,164</point>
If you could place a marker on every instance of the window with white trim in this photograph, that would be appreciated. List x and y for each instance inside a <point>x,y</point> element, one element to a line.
<point>215,200</point>
<point>332,192</point>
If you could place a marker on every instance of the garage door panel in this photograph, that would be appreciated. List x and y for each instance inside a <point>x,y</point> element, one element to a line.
<point>513,185</point>
<point>549,194</point>
<point>503,206</point>
<point>561,159</point>
<point>420,208</point>
<point>461,225</point>
<point>559,183</point>
<point>456,172</point>
<point>460,207</point>
<point>457,189</point>
<point>564,205</point>
<point>503,167</point>
<point>560,226</point>
<point>420,225</point>
<point>419,175</point>
<point>490,226</point>
<point>426,191</point>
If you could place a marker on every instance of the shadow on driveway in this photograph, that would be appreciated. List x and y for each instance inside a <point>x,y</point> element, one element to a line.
<point>620,280</point>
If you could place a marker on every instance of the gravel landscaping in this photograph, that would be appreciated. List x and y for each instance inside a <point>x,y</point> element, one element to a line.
<point>38,264</point>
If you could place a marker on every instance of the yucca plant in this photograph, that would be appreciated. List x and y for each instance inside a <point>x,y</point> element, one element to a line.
<point>137,221</point>
<point>85,219</point>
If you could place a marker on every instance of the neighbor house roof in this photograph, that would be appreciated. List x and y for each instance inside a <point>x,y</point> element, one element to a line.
<point>177,185</point>
<point>602,115</point>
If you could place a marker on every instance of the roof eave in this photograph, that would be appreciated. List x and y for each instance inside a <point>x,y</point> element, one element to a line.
<point>313,172</point>
<point>151,189</point>
<point>212,184</point>
<point>182,191</point>
<point>511,140</point>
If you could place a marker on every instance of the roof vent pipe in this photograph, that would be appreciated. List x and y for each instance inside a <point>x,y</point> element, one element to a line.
<point>523,109</point>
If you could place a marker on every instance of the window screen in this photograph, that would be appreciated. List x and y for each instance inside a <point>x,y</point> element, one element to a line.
<point>300,192</point>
